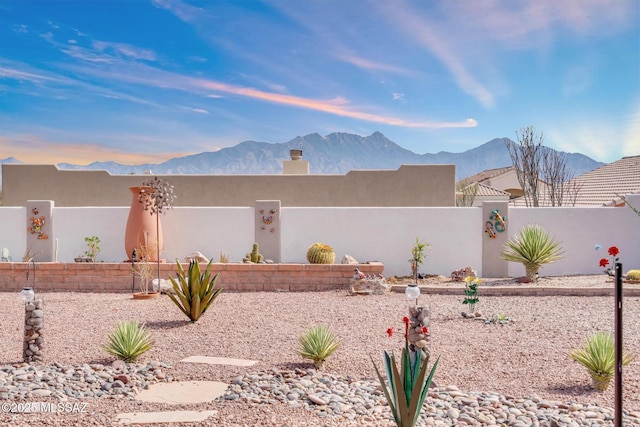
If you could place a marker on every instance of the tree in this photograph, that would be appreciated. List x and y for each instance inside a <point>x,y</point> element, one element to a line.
<point>541,170</point>
<point>526,157</point>
<point>466,193</point>
<point>559,178</point>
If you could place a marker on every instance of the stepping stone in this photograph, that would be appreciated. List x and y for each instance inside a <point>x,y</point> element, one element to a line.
<point>164,417</point>
<point>219,361</point>
<point>183,392</point>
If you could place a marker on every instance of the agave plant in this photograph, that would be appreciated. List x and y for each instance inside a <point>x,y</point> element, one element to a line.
<point>317,344</point>
<point>532,247</point>
<point>408,387</point>
<point>128,341</point>
<point>597,354</point>
<point>194,292</point>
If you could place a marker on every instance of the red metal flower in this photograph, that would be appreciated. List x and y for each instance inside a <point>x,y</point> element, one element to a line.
<point>405,319</point>
<point>390,332</point>
<point>425,330</point>
<point>604,262</point>
<point>613,251</point>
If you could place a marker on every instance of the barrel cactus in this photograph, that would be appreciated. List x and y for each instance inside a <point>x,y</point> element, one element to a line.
<point>633,275</point>
<point>319,253</point>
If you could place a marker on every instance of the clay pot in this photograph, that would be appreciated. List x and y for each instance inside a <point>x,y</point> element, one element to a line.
<point>142,295</point>
<point>142,230</point>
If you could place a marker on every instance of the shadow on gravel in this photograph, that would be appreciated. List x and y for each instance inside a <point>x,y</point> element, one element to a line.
<point>167,324</point>
<point>573,390</point>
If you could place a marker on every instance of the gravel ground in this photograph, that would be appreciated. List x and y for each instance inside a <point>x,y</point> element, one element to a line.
<point>526,358</point>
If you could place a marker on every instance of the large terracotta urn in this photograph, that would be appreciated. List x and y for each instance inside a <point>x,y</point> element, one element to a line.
<point>142,230</point>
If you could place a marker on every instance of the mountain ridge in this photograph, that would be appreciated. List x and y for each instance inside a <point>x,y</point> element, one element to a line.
<point>335,153</point>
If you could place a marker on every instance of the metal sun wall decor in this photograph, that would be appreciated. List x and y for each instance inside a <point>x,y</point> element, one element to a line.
<point>37,223</point>
<point>496,224</point>
<point>267,220</point>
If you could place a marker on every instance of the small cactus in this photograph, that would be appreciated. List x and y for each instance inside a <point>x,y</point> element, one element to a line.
<point>633,275</point>
<point>254,256</point>
<point>319,253</point>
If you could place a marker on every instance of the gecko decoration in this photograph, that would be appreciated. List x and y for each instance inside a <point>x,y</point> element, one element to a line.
<point>496,224</point>
<point>36,226</point>
<point>488,228</point>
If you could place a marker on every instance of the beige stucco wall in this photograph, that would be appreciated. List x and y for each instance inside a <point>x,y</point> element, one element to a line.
<point>410,185</point>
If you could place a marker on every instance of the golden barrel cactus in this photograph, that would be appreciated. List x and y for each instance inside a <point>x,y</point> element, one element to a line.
<point>319,253</point>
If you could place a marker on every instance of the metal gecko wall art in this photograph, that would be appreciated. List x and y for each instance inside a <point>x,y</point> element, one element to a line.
<point>496,224</point>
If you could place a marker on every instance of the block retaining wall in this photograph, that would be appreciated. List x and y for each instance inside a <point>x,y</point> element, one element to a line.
<point>117,277</point>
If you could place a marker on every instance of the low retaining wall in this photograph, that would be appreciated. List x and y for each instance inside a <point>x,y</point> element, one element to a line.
<point>117,277</point>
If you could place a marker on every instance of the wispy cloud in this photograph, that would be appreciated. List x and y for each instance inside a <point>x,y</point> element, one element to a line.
<point>196,110</point>
<point>409,21</point>
<point>372,65</point>
<point>179,8</point>
<point>31,148</point>
<point>337,106</point>
<point>33,77</point>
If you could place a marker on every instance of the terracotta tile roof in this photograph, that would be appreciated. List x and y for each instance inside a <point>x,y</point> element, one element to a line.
<point>485,190</point>
<point>488,174</point>
<point>599,187</point>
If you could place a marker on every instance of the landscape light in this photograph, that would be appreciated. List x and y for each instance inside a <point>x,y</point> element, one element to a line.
<point>27,294</point>
<point>412,292</point>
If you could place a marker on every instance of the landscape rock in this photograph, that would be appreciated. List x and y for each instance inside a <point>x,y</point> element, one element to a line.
<point>369,286</point>
<point>348,259</point>
<point>460,274</point>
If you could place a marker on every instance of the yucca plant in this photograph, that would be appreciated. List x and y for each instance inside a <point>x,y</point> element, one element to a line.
<point>408,387</point>
<point>194,292</point>
<point>317,344</point>
<point>128,341</point>
<point>532,247</point>
<point>597,354</point>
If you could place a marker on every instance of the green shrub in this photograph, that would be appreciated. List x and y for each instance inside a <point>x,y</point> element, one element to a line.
<point>532,247</point>
<point>317,344</point>
<point>597,354</point>
<point>194,292</point>
<point>128,341</point>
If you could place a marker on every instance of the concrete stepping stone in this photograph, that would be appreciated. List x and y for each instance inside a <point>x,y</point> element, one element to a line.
<point>164,417</point>
<point>183,392</point>
<point>219,361</point>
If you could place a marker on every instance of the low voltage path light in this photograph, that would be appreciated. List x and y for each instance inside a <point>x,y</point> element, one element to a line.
<point>27,294</point>
<point>412,292</point>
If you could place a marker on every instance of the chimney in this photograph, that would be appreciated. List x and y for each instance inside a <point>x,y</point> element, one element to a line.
<point>295,166</point>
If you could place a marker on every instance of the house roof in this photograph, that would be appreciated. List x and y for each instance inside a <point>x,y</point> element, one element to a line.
<point>488,174</point>
<point>600,186</point>
<point>485,190</point>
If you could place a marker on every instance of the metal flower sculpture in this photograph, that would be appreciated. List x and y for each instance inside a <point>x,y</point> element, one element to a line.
<point>158,197</point>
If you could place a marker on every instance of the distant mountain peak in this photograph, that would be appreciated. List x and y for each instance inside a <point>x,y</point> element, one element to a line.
<point>335,153</point>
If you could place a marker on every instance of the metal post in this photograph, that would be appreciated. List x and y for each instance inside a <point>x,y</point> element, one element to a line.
<point>618,346</point>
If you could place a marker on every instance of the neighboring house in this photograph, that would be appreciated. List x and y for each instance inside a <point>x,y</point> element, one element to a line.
<point>499,184</point>
<point>601,186</point>
<point>475,194</point>
<point>503,179</point>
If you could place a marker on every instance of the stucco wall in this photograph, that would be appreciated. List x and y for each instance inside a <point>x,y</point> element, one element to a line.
<point>369,234</point>
<point>410,185</point>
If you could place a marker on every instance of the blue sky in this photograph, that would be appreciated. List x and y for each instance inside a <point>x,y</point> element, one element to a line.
<point>139,81</point>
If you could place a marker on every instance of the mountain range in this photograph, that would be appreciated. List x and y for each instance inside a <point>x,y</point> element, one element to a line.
<point>336,153</point>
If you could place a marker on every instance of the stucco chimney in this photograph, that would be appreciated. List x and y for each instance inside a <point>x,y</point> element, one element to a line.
<point>295,166</point>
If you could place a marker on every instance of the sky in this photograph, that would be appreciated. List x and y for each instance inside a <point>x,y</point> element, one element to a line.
<point>142,81</point>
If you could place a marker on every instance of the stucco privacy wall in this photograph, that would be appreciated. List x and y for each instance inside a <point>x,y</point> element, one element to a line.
<point>386,235</point>
<point>410,185</point>
<point>369,234</point>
